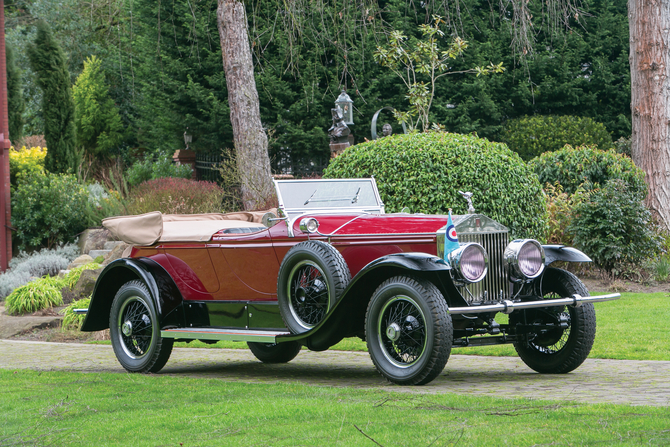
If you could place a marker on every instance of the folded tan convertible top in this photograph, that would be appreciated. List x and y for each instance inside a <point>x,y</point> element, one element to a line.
<point>153,227</point>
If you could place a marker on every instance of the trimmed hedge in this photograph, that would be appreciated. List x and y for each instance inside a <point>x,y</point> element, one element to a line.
<point>573,166</point>
<point>531,136</point>
<point>425,172</point>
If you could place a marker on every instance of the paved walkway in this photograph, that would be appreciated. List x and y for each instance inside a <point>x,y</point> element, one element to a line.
<point>596,381</point>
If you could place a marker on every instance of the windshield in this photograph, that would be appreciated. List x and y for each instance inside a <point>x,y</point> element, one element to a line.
<point>300,196</point>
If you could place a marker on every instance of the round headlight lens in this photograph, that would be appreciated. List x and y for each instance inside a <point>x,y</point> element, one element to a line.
<point>309,225</point>
<point>525,259</point>
<point>470,262</point>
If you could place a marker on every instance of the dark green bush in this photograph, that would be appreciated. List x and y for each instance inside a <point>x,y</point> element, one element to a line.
<point>613,227</point>
<point>49,209</point>
<point>531,136</point>
<point>426,171</point>
<point>573,166</point>
<point>163,167</point>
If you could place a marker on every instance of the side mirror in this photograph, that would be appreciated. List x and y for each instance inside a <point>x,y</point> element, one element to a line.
<point>269,219</point>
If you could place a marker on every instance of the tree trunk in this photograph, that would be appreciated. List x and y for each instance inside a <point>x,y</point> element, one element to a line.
<point>251,143</point>
<point>650,100</point>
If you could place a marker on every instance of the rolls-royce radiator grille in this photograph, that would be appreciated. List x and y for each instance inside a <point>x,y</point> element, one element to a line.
<point>496,280</point>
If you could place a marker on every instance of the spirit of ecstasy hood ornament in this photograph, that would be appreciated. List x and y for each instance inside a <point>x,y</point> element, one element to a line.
<point>468,196</point>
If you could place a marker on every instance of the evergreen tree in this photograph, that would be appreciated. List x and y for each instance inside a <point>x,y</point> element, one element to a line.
<point>49,63</point>
<point>15,103</point>
<point>97,118</point>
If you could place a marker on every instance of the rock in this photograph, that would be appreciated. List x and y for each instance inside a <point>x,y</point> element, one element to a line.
<point>109,245</point>
<point>83,288</point>
<point>81,260</point>
<point>116,253</point>
<point>94,239</point>
<point>97,253</point>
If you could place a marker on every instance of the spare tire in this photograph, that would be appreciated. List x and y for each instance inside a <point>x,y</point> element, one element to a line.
<point>311,279</point>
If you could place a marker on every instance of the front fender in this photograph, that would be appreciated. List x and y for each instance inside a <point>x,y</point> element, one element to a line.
<point>554,253</point>
<point>162,288</point>
<point>347,318</point>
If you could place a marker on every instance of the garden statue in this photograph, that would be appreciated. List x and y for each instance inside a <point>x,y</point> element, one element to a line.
<point>387,130</point>
<point>339,131</point>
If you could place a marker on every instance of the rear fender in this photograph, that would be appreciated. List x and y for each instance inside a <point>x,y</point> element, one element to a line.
<point>347,318</point>
<point>554,253</point>
<point>162,288</point>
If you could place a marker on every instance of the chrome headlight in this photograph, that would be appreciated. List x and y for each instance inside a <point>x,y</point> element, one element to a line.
<point>524,259</point>
<point>470,262</point>
<point>309,225</point>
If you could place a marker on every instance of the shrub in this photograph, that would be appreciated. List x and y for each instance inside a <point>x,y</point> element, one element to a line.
<point>560,210</point>
<point>10,280</point>
<point>73,277</point>
<point>622,145</point>
<point>67,251</point>
<point>426,171</point>
<point>573,166</point>
<point>36,295</point>
<point>25,162</point>
<point>613,227</point>
<point>49,209</point>
<point>531,136</point>
<point>176,196</point>
<point>162,167</point>
<point>102,204</point>
<point>71,320</point>
<point>46,264</point>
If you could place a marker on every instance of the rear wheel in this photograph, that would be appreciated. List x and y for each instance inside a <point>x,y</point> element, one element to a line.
<point>311,279</point>
<point>135,330</point>
<point>275,352</point>
<point>408,330</point>
<point>557,350</point>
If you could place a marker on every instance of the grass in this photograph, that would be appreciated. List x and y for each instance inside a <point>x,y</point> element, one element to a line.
<point>627,329</point>
<point>62,408</point>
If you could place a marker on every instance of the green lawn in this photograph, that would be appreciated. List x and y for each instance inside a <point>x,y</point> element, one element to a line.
<point>57,408</point>
<point>629,328</point>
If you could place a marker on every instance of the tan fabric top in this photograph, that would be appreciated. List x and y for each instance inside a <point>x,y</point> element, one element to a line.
<point>150,228</point>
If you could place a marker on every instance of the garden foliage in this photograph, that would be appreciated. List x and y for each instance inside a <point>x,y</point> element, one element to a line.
<point>613,226</point>
<point>573,166</point>
<point>36,295</point>
<point>98,122</point>
<point>151,169</point>
<point>426,171</point>
<point>560,210</point>
<point>176,196</point>
<point>71,320</point>
<point>24,162</point>
<point>73,276</point>
<point>15,103</point>
<point>531,136</point>
<point>49,209</point>
<point>50,65</point>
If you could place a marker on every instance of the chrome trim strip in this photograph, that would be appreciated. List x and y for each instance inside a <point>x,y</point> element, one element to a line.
<point>223,334</point>
<point>508,306</point>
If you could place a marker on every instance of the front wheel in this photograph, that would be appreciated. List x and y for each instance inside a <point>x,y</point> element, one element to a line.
<point>408,330</point>
<point>557,351</point>
<point>135,330</point>
<point>275,352</point>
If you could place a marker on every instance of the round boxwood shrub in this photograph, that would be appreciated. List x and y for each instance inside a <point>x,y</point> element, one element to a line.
<point>48,209</point>
<point>531,136</point>
<point>573,166</point>
<point>425,172</point>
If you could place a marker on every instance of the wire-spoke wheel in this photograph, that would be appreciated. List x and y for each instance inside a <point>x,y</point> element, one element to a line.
<point>135,331</point>
<point>408,330</point>
<point>559,350</point>
<point>311,279</point>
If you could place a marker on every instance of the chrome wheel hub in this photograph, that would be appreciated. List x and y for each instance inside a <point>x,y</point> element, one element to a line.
<point>127,328</point>
<point>393,331</point>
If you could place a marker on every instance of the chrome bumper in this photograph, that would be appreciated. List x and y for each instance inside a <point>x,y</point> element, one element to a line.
<point>507,306</point>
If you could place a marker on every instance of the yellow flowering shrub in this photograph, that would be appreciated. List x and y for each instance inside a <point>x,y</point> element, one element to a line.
<point>24,162</point>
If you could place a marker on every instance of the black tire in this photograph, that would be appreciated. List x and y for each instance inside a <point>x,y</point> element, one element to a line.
<point>408,330</point>
<point>562,350</point>
<point>275,353</point>
<point>311,279</point>
<point>135,330</point>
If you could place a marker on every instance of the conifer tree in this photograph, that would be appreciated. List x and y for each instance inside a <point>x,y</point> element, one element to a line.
<point>48,62</point>
<point>15,103</point>
<point>97,118</point>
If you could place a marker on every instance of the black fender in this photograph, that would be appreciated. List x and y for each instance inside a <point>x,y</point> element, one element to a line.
<point>162,288</point>
<point>554,253</point>
<point>347,318</point>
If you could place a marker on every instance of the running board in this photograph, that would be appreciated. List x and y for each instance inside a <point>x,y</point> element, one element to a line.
<point>507,307</point>
<point>223,334</point>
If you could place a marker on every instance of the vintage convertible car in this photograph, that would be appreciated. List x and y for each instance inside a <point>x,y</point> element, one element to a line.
<point>335,265</point>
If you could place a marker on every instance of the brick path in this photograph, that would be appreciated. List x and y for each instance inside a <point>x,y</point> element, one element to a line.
<point>596,381</point>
